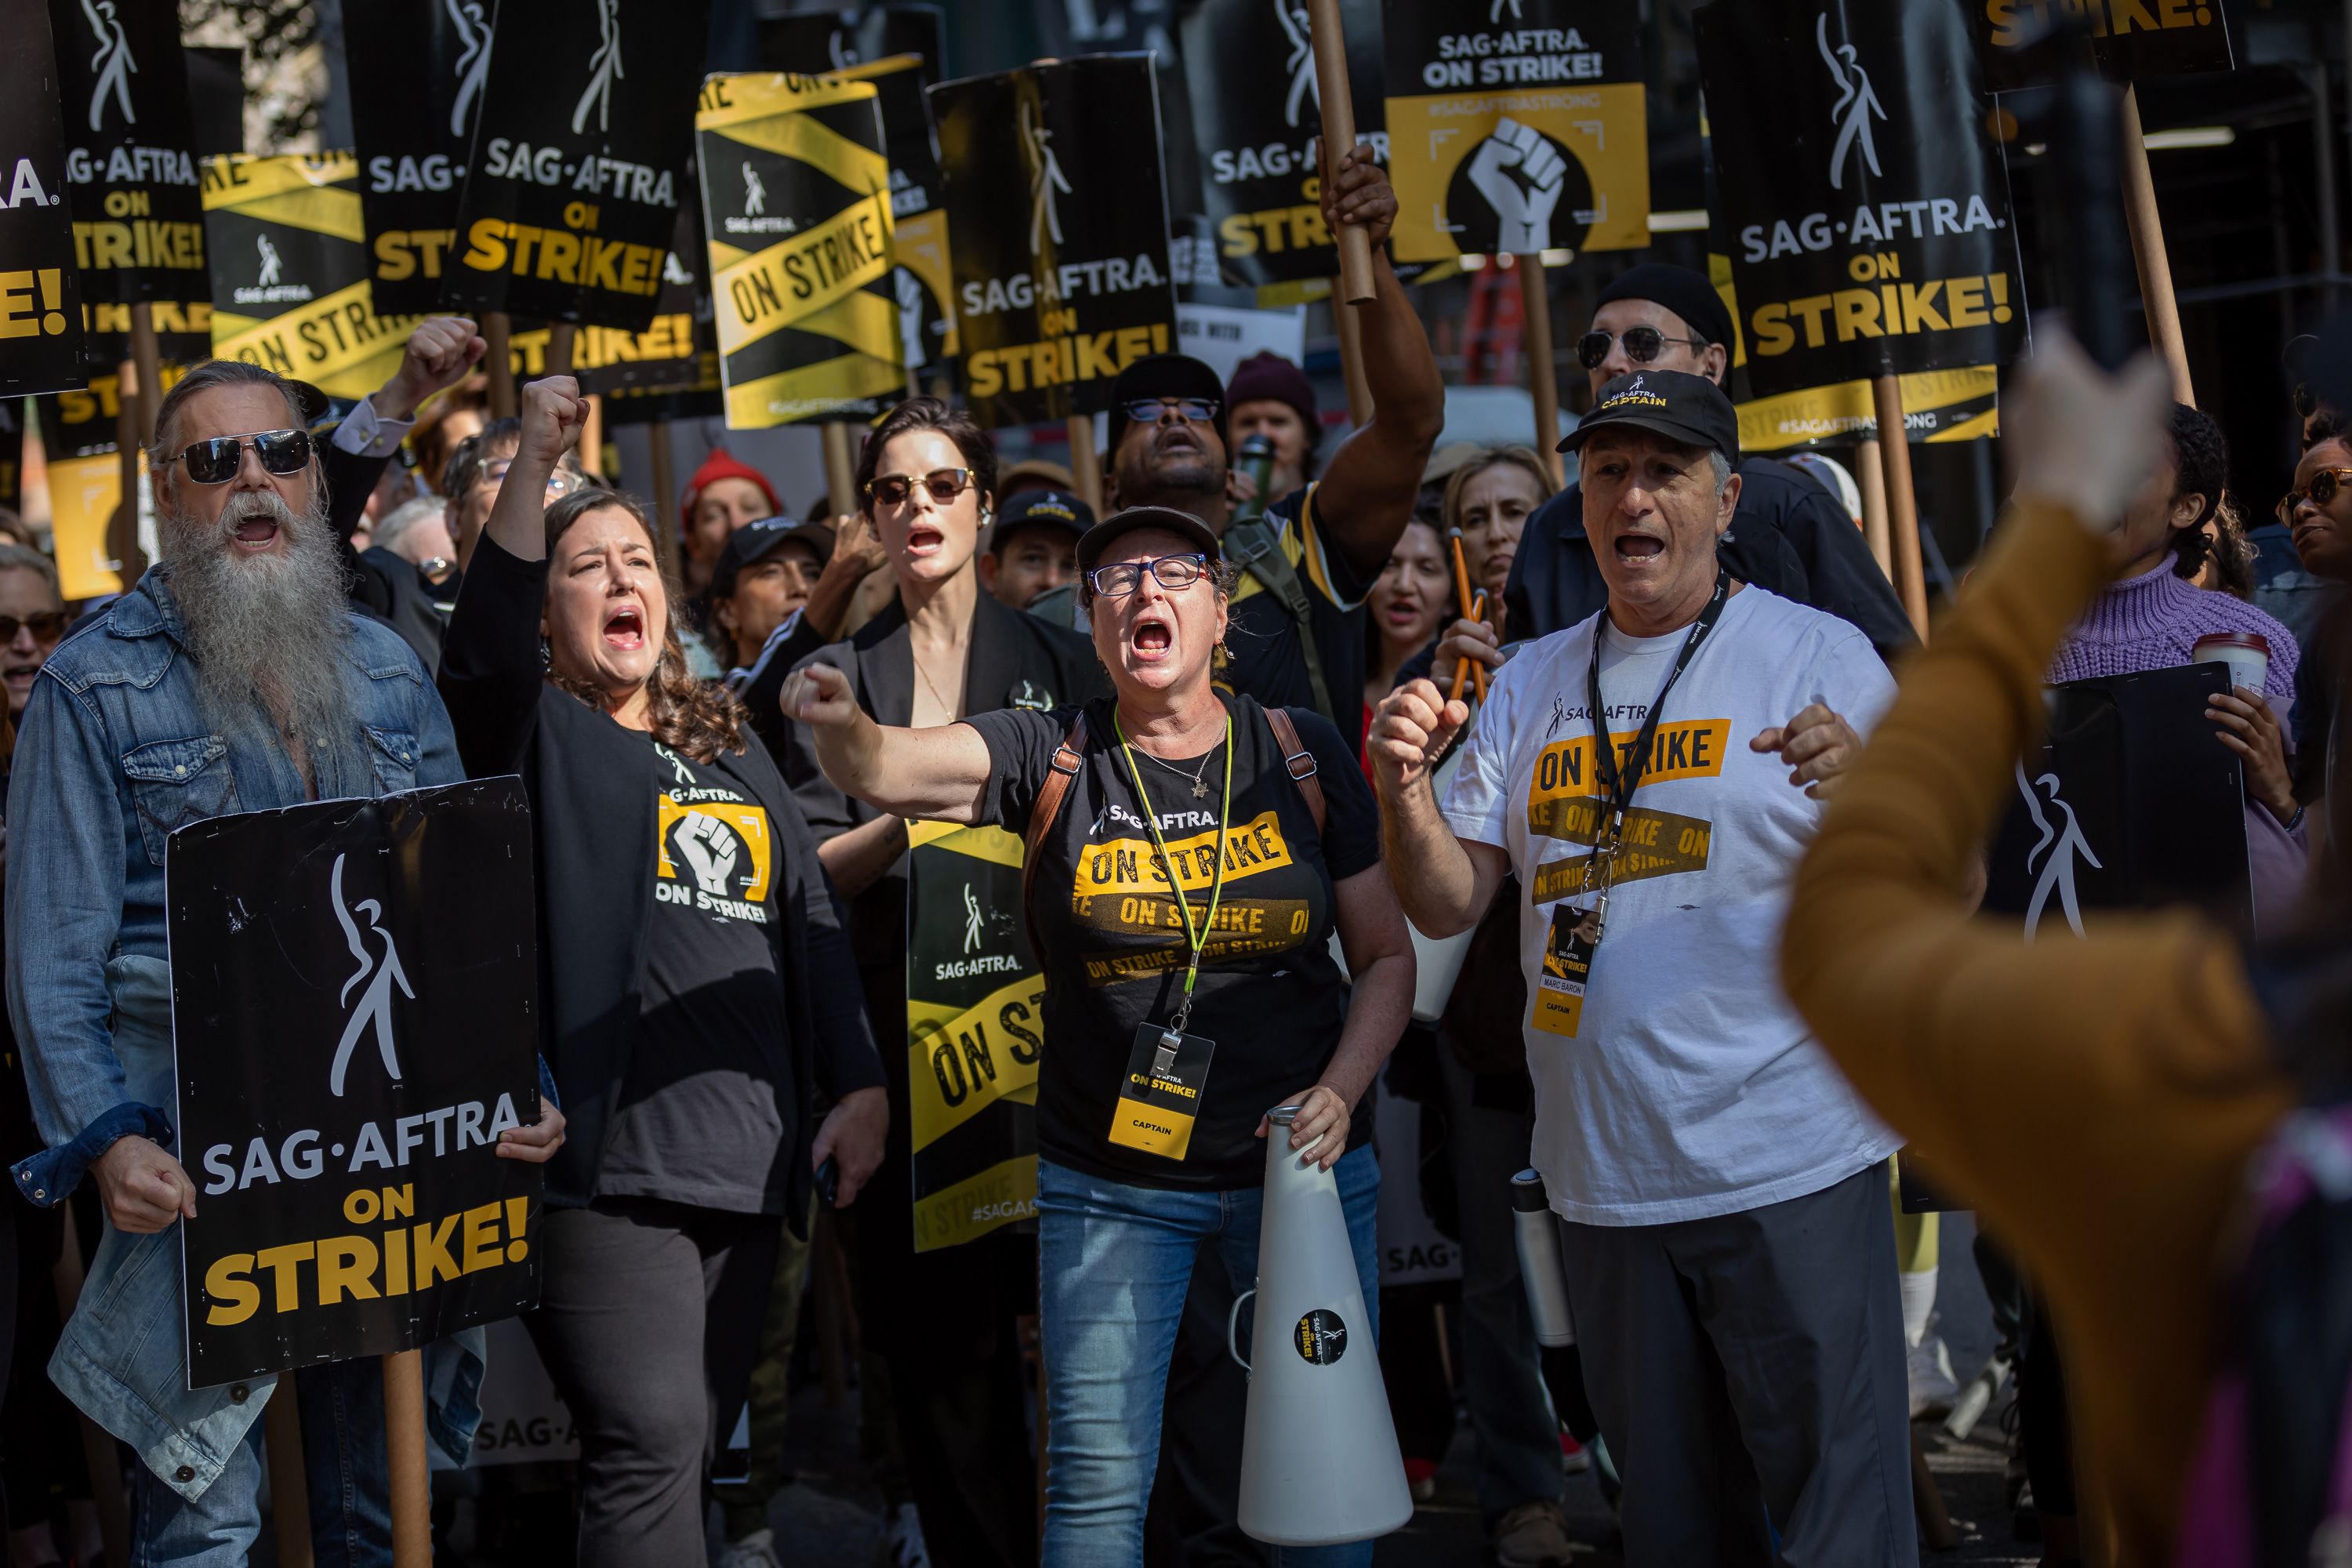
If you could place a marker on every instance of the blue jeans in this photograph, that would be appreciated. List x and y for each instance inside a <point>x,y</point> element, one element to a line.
<point>345,1467</point>
<point>346,1464</point>
<point>1114,1261</point>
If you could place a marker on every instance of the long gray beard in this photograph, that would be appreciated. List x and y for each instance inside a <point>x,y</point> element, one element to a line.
<point>267,628</point>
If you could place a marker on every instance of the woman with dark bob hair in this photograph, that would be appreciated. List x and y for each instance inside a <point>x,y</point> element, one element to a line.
<point>945,650</point>
<point>686,939</point>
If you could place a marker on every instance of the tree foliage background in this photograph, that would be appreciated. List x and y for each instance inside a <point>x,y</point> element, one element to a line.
<point>285,67</point>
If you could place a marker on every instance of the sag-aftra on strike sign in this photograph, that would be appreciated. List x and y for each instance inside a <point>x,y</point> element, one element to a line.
<point>353,989</point>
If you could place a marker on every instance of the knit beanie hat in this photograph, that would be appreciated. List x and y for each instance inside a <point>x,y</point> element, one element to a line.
<point>721,466</point>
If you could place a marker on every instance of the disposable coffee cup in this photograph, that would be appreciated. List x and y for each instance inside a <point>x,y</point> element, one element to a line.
<point>2247,655</point>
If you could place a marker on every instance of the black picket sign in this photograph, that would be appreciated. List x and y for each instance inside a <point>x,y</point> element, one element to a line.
<point>413,128</point>
<point>40,294</point>
<point>579,159</point>
<point>875,48</point>
<point>2132,802</point>
<point>354,1019</point>
<point>2127,39</point>
<point>1057,220</point>
<point>139,219</point>
<point>1867,217</point>
<point>1257,113</point>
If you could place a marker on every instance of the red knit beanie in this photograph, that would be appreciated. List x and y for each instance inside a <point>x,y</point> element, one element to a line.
<point>721,466</point>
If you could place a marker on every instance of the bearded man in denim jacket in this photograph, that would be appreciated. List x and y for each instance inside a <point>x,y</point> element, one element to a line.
<point>233,677</point>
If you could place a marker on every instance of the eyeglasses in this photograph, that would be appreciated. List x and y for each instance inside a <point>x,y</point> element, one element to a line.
<point>2324,486</point>
<point>1641,345</point>
<point>945,485</point>
<point>214,462</point>
<point>46,626</point>
<point>1199,410</point>
<point>559,483</point>
<point>1173,573</point>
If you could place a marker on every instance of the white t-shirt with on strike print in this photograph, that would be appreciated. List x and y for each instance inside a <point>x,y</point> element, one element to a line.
<point>1690,1087</point>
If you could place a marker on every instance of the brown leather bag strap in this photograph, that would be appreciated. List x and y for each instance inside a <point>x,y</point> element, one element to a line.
<point>1067,758</point>
<point>1299,761</point>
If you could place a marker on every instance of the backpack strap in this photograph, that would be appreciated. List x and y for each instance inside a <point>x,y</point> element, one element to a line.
<point>1067,758</point>
<point>1257,549</point>
<point>1299,761</point>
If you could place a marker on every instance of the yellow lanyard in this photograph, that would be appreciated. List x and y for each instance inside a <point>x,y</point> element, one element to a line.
<point>1195,940</point>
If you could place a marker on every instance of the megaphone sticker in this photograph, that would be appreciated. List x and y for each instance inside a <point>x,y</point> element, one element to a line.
<point>1322,1337</point>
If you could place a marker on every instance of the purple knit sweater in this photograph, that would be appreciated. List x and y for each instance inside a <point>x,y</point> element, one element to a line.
<point>2153,621</point>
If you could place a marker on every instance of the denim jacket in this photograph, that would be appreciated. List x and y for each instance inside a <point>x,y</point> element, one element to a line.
<point>115,752</point>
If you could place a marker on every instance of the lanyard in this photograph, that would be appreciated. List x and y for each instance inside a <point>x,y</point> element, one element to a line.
<point>1620,788</point>
<point>1194,940</point>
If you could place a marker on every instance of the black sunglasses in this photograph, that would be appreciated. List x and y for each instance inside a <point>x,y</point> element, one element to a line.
<point>1642,344</point>
<point>945,485</point>
<point>1173,573</point>
<point>1148,410</point>
<point>214,462</point>
<point>46,626</point>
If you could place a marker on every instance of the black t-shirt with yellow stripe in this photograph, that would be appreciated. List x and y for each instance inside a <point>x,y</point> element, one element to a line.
<point>1113,945</point>
<point>1267,661</point>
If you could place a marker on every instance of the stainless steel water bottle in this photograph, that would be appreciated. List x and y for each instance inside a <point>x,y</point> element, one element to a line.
<point>1536,1231</point>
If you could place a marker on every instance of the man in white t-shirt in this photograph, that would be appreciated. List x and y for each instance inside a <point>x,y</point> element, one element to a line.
<point>1722,1192</point>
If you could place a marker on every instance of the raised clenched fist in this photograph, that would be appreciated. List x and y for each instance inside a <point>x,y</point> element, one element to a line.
<point>553,415</point>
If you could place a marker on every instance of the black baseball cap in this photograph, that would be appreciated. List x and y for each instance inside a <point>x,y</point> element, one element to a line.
<point>1183,525</point>
<point>1674,404</point>
<point>1160,375</point>
<point>1054,509</point>
<point>755,542</point>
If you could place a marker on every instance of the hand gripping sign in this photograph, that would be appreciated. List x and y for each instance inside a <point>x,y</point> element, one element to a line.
<point>354,1009</point>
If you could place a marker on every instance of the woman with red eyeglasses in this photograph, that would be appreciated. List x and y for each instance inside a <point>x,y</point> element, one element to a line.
<point>946,650</point>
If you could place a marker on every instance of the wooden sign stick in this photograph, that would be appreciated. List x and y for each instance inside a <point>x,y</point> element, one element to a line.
<point>840,466</point>
<point>403,1436</point>
<point>1901,502</point>
<point>1543,375</point>
<point>1086,463</point>
<point>664,478</point>
<point>497,332</point>
<point>2148,252</point>
<point>562,341</point>
<point>1338,135</point>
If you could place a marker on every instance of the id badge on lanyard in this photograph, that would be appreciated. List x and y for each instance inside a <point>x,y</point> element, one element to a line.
<point>1579,921</point>
<point>1167,1073</point>
<point>1568,947</point>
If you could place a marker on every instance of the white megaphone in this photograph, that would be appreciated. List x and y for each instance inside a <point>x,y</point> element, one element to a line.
<point>1319,1457</point>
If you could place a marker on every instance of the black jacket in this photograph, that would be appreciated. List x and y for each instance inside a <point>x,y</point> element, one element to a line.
<point>1015,660</point>
<point>1787,535</point>
<point>389,587</point>
<point>592,785</point>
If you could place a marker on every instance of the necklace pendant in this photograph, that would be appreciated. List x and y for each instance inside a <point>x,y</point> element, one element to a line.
<point>1200,789</point>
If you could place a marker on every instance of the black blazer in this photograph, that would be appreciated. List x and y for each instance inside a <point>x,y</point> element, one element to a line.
<point>1015,660</point>
<point>592,785</point>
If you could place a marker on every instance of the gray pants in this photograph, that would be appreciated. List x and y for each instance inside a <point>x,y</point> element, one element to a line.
<point>1748,1374</point>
